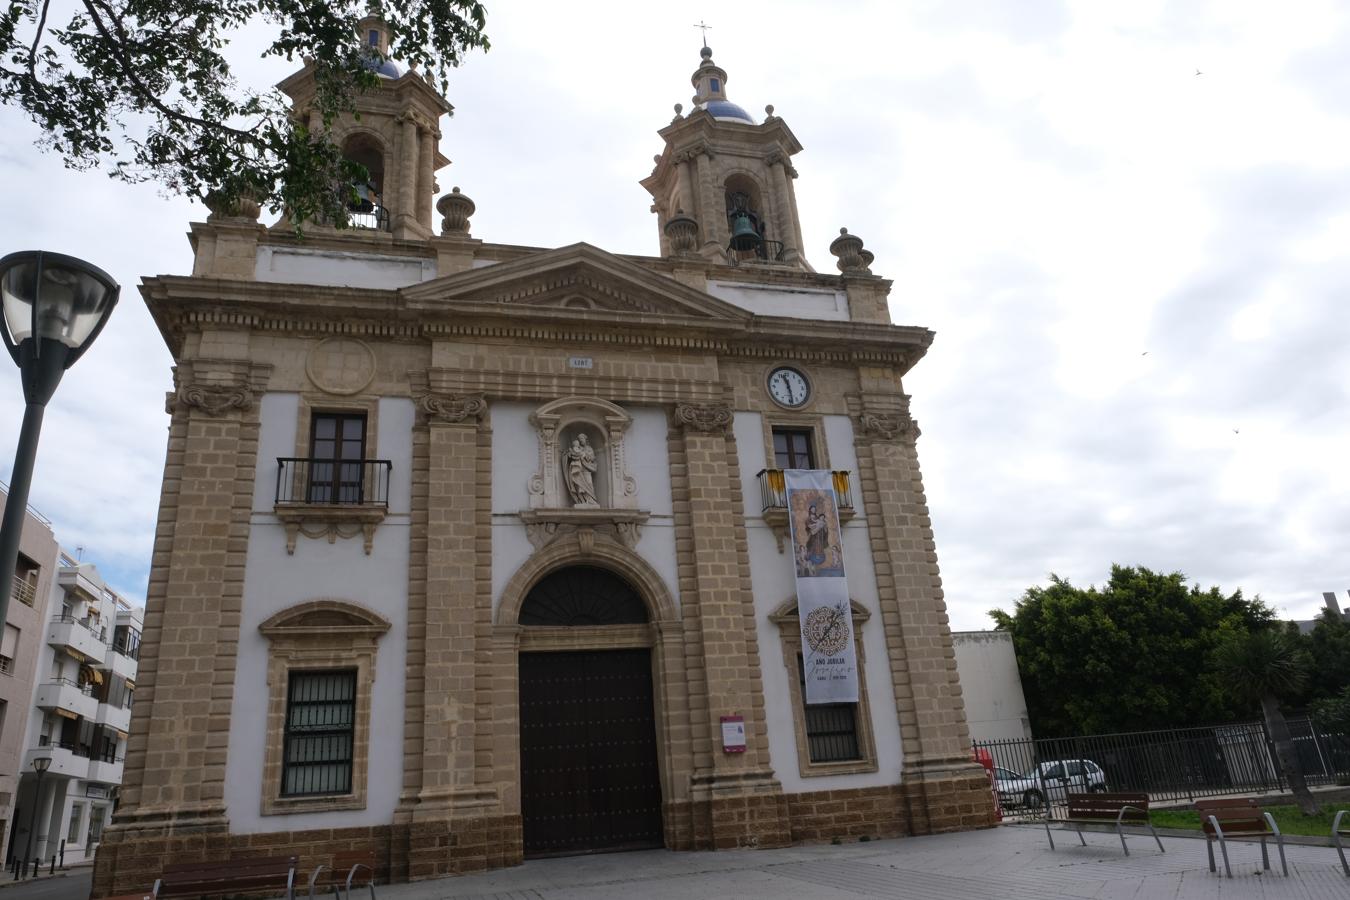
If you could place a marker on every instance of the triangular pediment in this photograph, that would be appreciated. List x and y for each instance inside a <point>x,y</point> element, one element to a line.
<point>579,278</point>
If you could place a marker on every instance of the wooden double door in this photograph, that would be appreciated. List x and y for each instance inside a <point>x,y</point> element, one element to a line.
<point>589,775</point>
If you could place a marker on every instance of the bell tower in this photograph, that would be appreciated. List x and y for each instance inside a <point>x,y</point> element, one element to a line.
<point>394,133</point>
<point>722,187</point>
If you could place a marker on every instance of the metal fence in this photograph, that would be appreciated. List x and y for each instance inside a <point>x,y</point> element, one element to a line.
<point>1175,765</point>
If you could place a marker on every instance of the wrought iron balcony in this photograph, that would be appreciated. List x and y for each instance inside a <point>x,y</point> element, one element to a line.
<point>374,218</point>
<point>773,491</point>
<point>327,482</point>
<point>774,506</point>
<point>332,498</point>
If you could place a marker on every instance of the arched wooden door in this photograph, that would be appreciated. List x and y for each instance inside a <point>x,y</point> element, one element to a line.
<point>589,775</point>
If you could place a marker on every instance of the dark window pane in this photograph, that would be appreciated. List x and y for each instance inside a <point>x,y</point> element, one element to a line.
<point>792,449</point>
<point>337,438</point>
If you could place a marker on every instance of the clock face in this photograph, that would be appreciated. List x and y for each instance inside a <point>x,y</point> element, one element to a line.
<point>788,387</point>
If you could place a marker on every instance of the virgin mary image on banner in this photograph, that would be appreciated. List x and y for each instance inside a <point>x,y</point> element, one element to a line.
<point>829,659</point>
<point>815,529</point>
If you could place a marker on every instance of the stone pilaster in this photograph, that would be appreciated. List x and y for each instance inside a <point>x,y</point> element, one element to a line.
<point>185,686</point>
<point>448,822</point>
<point>942,787</point>
<point>737,801</point>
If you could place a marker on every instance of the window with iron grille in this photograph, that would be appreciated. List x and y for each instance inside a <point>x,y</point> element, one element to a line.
<point>792,449</point>
<point>831,728</point>
<point>320,712</point>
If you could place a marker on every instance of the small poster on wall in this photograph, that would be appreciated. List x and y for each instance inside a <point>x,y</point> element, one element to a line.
<point>733,734</point>
<point>829,662</point>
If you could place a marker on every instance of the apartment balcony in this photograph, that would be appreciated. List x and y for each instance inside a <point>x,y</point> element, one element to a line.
<point>24,592</point>
<point>331,498</point>
<point>120,663</point>
<point>774,504</point>
<point>67,632</point>
<point>68,760</point>
<point>118,717</point>
<point>107,771</point>
<point>67,696</point>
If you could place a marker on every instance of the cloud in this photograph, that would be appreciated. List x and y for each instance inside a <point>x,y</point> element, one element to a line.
<point>1123,261</point>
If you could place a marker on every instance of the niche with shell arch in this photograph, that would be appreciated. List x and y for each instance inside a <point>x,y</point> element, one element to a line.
<point>611,506</point>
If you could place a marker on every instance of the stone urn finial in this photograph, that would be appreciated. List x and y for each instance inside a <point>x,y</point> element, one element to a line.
<point>683,234</point>
<point>455,208</point>
<point>849,250</point>
<point>243,206</point>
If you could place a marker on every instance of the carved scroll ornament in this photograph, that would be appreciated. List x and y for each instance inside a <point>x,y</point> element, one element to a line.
<point>448,409</point>
<point>713,418</point>
<point>888,426</point>
<point>214,400</point>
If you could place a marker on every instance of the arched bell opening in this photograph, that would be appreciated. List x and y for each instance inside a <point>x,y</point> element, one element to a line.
<point>366,208</point>
<point>747,220</point>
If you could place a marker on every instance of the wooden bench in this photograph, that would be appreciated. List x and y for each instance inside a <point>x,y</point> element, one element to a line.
<point>1234,817</point>
<point>237,875</point>
<point>1117,810</point>
<point>346,868</point>
<point>1340,828</point>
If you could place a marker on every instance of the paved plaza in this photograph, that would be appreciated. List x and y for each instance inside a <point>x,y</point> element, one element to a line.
<point>1010,863</point>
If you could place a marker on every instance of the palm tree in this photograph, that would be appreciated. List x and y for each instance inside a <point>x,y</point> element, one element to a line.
<point>1262,665</point>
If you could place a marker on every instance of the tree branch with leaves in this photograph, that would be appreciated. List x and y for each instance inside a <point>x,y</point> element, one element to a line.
<point>143,89</point>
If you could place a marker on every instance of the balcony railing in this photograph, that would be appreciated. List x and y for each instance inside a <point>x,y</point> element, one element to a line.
<point>23,591</point>
<point>773,491</point>
<point>327,482</point>
<point>374,219</point>
<point>86,689</point>
<point>764,251</point>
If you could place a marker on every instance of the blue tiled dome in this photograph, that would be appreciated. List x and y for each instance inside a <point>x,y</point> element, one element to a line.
<point>726,111</point>
<point>381,66</point>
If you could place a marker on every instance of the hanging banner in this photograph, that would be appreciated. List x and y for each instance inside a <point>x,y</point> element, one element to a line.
<point>829,664</point>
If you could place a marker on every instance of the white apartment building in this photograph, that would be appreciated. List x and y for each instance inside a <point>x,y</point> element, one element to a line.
<point>79,718</point>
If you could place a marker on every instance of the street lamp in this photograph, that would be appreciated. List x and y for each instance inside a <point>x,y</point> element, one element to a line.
<point>40,764</point>
<point>54,307</point>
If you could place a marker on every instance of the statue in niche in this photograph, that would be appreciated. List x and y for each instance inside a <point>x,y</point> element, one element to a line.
<point>579,463</point>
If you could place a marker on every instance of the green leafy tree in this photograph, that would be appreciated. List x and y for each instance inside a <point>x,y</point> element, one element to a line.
<point>1265,665</point>
<point>1329,648</point>
<point>1132,655</point>
<point>142,87</point>
<point>1333,713</point>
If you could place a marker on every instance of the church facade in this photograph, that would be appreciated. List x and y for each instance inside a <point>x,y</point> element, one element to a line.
<point>470,552</point>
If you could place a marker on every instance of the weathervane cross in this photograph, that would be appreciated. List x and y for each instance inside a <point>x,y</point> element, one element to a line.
<point>705,31</point>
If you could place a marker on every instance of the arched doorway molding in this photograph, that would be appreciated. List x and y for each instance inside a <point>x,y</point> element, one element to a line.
<point>663,634</point>
<point>602,554</point>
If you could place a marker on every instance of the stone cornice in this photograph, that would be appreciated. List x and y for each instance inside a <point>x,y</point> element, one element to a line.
<point>180,305</point>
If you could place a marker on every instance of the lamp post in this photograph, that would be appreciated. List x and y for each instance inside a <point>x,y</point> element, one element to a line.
<point>54,307</point>
<point>40,764</point>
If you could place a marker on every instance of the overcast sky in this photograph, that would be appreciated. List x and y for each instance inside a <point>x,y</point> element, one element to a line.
<point>1128,223</point>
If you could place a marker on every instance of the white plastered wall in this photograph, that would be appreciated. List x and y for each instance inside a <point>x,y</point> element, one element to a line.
<point>774,581</point>
<point>274,580</point>
<point>996,708</point>
<point>515,457</point>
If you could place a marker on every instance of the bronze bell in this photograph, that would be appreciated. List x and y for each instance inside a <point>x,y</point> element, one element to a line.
<point>743,234</point>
